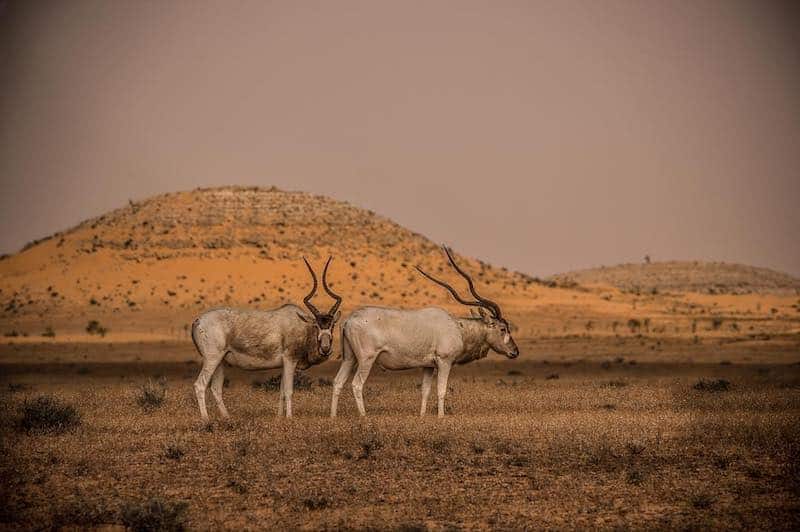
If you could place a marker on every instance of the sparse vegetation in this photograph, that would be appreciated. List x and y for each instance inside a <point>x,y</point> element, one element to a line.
<point>83,513</point>
<point>94,327</point>
<point>316,503</point>
<point>154,514</point>
<point>369,445</point>
<point>566,443</point>
<point>48,415</point>
<point>712,385</point>
<point>49,332</point>
<point>174,451</point>
<point>687,276</point>
<point>301,382</point>
<point>701,501</point>
<point>152,394</point>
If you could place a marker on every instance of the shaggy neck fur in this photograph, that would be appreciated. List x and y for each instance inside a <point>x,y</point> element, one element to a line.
<point>473,334</point>
<point>312,345</point>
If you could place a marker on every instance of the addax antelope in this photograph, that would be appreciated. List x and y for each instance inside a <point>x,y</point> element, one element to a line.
<point>285,337</point>
<point>428,338</point>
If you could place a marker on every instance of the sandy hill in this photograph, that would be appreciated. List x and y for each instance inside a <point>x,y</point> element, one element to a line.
<point>147,269</point>
<point>173,255</point>
<point>687,276</point>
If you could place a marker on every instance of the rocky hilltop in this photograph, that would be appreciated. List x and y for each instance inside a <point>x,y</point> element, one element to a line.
<point>274,223</point>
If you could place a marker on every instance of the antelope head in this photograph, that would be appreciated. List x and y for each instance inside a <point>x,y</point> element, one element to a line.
<point>324,322</point>
<point>498,329</point>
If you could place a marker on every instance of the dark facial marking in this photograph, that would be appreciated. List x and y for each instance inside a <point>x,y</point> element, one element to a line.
<point>325,321</point>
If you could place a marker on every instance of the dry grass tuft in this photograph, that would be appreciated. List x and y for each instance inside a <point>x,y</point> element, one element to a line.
<point>83,514</point>
<point>174,451</point>
<point>316,502</point>
<point>301,382</point>
<point>154,514</point>
<point>712,385</point>
<point>701,501</point>
<point>48,415</point>
<point>94,327</point>
<point>152,394</point>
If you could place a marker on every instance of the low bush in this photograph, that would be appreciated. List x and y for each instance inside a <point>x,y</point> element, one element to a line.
<point>152,394</point>
<point>701,501</point>
<point>46,414</point>
<point>301,382</point>
<point>94,327</point>
<point>173,451</point>
<point>154,514</point>
<point>83,514</point>
<point>712,385</point>
<point>316,502</point>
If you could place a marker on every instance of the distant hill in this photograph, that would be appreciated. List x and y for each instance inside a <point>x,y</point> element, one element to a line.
<point>178,253</point>
<point>686,276</point>
<point>145,270</point>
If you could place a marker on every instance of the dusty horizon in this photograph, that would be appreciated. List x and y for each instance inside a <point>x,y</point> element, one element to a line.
<point>537,137</point>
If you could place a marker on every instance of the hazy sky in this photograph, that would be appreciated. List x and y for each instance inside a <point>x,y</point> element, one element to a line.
<point>543,136</point>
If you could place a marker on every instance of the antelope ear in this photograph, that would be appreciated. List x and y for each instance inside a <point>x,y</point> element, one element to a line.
<point>484,315</point>
<point>305,318</point>
<point>337,316</point>
<point>474,313</point>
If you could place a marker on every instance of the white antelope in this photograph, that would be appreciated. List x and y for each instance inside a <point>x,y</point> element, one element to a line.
<point>428,338</point>
<point>263,339</point>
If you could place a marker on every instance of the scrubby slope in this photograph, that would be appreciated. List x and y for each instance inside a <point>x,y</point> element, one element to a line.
<point>147,269</point>
<point>694,276</point>
<point>175,254</point>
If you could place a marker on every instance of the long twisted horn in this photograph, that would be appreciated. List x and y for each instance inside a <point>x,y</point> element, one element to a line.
<point>331,293</point>
<point>449,289</point>
<point>488,304</point>
<point>307,299</point>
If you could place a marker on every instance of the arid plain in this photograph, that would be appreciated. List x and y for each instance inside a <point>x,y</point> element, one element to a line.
<point>656,395</point>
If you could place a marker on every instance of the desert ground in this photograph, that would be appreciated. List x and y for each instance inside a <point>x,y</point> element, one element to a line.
<point>663,395</point>
<point>576,433</point>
